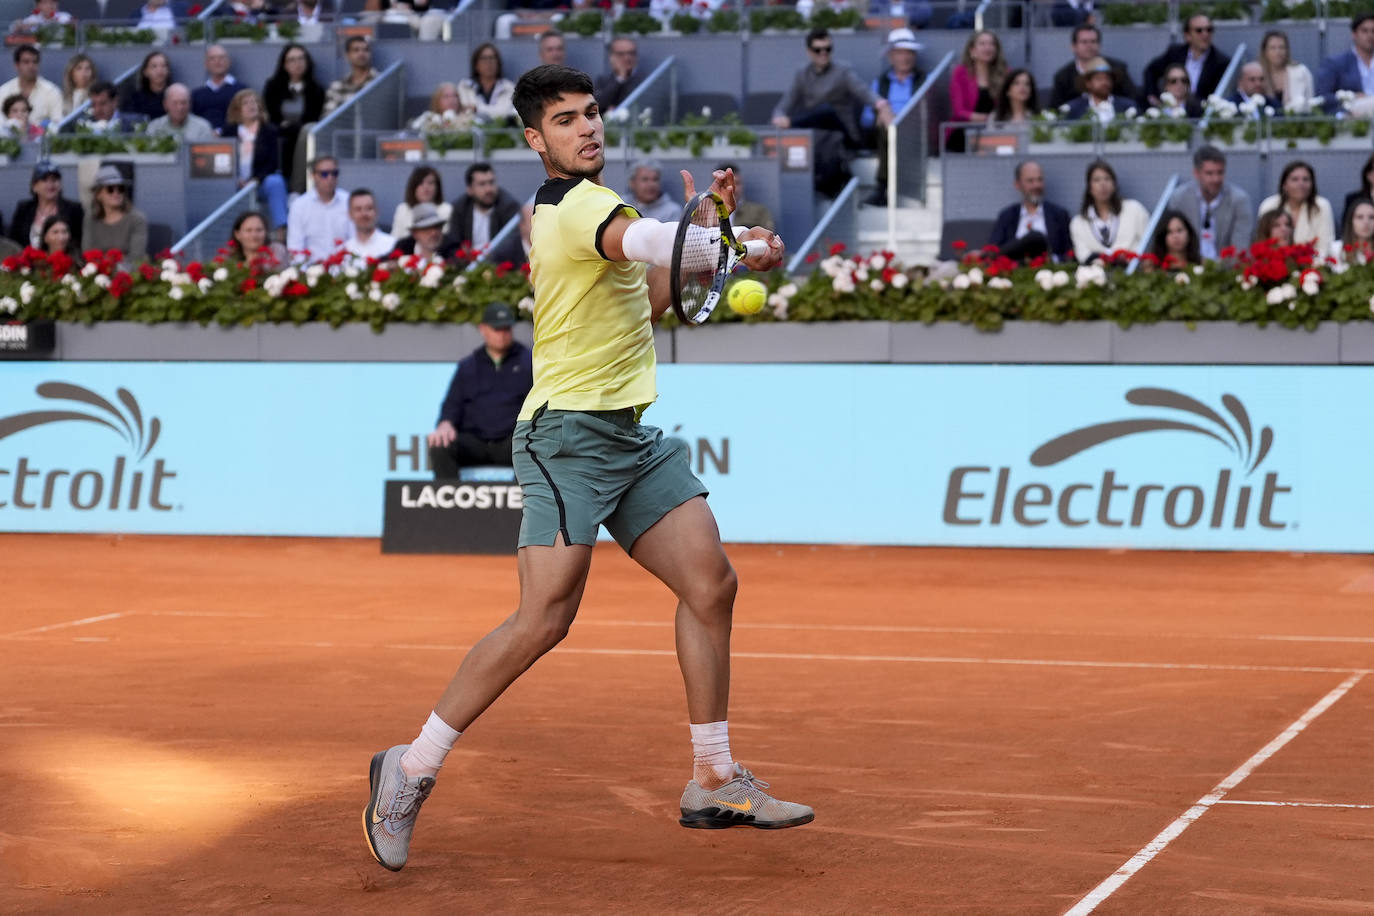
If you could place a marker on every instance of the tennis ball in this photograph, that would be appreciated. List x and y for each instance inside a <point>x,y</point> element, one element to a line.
<point>747,296</point>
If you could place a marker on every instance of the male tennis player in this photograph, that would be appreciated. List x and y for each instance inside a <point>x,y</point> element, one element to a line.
<point>600,275</point>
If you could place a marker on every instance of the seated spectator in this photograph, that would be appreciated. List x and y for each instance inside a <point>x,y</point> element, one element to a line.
<point>57,236</point>
<point>47,201</point>
<point>1105,223</point>
<point>1347,71</point>
<point>897,84</point>
<point>1355,247</point>
<point>646,192</point>
<point>445,111</point>
<point>1176,100</point>
<point>1202,63</point>
<point>1034,226</point>
<point>426,235</point>
<point>160,15</point>
<point>366,240</point>
<point>1250,84</point>
<point>44,98</point>
<point>1312,220</point>
<point>248,241</point>
<point>748,213</point>
<point>1220,213</point>
<point>77,78</point>
<point>482,212</point>
<point>486,94</point>
<point>973,84</point>
<point>615,85</point>
<point>1284,79</point>
<point>113,221</point>
<point>154,76</point>
<point>308,13</point>
<point>1175,243</point>
<point>317,222</point>
<point>1097,98</point>
<point>1065,13</point>
<point>294,98</point>
<point>211,101</point>
<point>424,186</point>
<point>1017,100</point>
<point>16,124</point>
<point>104,115</point>
<point>259,152</point>
<point>1276,225</point>
<point>1365,190</point>
<point>478,415</point>
<point>360,73</point>
<point>553,49</point>
<point>45,14</point>
<point>178,121</point>
<point>1087,45</point>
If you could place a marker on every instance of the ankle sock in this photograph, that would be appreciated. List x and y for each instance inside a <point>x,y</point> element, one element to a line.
<point>426,754</point>
<point>711,752</point>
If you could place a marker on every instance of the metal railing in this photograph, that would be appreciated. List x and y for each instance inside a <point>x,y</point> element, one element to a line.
<point>908,137</point>
<point>350,130</point>
<point>204,240</point>
<point>1148,238</point>
<point>1232,69</point>
<point>657,95</point>
<point>451,20</point>
<point>838,224</point>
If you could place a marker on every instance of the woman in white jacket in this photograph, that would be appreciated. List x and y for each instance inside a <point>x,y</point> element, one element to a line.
<point>1285,80</point>
<point>1313,222</point>
<point>1106,223</point>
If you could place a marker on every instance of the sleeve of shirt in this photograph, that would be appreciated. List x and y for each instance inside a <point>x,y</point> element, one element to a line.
<point>452,409</point>
<point>789,98</point>
<point>582,222</point>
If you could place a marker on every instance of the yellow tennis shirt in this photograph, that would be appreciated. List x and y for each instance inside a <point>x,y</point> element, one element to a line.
<point>593,341</point>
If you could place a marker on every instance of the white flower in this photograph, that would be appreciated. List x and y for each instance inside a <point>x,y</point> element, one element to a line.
<point>1197,269</point>
<point>460,281</point>
<point>433,274</point>
<point>1168,99</point>
<point>843,283</point>
<point>1045,279</point>
<point>102,281</point>
<point>175,293</point>
<point>994,283</point>
<point>1181,278</point>
<point>391,302</point>
<point>1268,111</point>
<point>975,276</point>
<point>788,290</point>
<point>1312,283</point>
<point>1131,112</point>
<point>171,265</point>
<point>90,270</point>
<point>221,274</point>
<point>1086,275</point>
<point>706,111</point>
<point>26,292</point>
<point>876,285</point>
<point>861,275</point>
<point>960,282</point>
<point>205,284</point>
<point>1371,303</point>
<point>352,270</point>
<point>9,305</point>
<point>780,310</point>
<point>1281,294</point>
<point>375,293</point>
<point>1247,283</point>
<point>877,262</point>
<point>1061,279</point>
<point>1153,112</point>
<point>526,304</point>
<point>899,280</point>
<point>352,292</point>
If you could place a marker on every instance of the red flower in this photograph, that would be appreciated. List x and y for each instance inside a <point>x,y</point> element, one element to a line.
<point>121,284</point>
<point>1228,252</point>
<point>837,248</point>
<point>33,254</point>
<point>525,268</point>
<point>195,271</point>
<point>12,263</point>
<point>960,244</point>
<point>381,275</point>
<point>149,271</point>
<point>888,274</point>
<point>60,263</point>
<point>92,254</point>
<point>195,10</point>
<point>247,286</point>
<point>297,288</point>
<point>813,257</point>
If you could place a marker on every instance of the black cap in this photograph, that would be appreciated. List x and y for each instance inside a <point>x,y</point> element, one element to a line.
<point>45,167</point>
<point>499,316</point>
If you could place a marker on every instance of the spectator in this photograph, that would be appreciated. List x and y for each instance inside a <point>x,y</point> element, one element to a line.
<point>360,73</point>
<point>294,98</point>
<point>77,78</point>
<point>45,14</point>
<point>317,222</point>
<point>57,236</point>
<point>481,212</point>
<point>178,121</point>
<point>478,414</point>
<point>748,213</point>
<point>1219,213</point>
<point>1017,99</point>
<point>1350,71</point>
<point>1355,247</point>
<point>113,220</point>
<point>1175,98</point>
<point>426,238</point>
<point>424,186</point>
<point>973,84</point>
<point>1175,243</point>
<point>44,98</point>
<point>445,111</point>
<point>308,13</point>
<point>1087,45</point>
<point>1250,83</point>
<point>259,152</point>
<point>1105,223</point>
<point>1276,225</point>
<point>646,192</point>
<point>47,201</point>
<point>1065,13</point>
<point>1366,189</point>
<point>104,115</point>
<point>367,242</point>
<point>1203,64</point>
<point>896,85</point>
<point>1284,79</point>
<point>553,49</point>
<point>486,94</point>
<point>153,78</point>
<point>211,101</point>
<point>160,15</point>
<point>1312,219</point>
<point>248,241</point>
<point>17,124</point>
<point>1097,98</point>
<point>614,86</point>
<point>1034,226</point>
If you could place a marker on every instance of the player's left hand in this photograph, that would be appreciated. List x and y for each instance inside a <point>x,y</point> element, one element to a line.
<point>769,259</point>
<point>722,182</point>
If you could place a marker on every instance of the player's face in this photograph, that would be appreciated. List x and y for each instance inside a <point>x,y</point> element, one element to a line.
<point>570,137</point>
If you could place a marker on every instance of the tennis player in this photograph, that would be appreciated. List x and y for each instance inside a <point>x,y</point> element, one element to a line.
<point>583,459</point>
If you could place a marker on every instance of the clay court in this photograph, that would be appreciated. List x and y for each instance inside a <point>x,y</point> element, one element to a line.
<point>186,723</point>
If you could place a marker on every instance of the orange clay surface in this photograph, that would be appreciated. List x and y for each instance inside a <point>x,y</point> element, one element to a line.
<point>186,724</point>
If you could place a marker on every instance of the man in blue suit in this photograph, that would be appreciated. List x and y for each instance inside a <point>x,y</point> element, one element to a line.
<point>1351,70</point>
<point>1034,226</point>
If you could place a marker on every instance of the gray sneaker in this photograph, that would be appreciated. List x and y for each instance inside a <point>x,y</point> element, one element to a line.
<point>389,818</point>
<point>741,802</point>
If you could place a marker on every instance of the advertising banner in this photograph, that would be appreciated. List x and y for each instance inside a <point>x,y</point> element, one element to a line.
<point>1233,457</point>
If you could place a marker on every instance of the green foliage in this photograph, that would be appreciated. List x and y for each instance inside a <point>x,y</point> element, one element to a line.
<point>723,20</point>
<point>636,22</point>
<point>781,18</point>
<point>9,146</point>
<point>443,141</point>
<point>1221,10</point>
<point>824,17</point>
<point>586,23</point>
<point>1274,10</point>
<point>84,143</point>
<point>685,23</point>
<point>119,35</point>
<point>1131,13</point>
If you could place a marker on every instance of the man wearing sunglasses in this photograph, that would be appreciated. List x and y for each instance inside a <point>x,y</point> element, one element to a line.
<point>317,224</point>
<point>1205,64</point>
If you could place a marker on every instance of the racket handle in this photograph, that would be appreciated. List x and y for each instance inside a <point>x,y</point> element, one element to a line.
<point>755,247</point>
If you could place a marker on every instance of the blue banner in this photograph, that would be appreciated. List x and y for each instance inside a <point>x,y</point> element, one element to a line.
<point>1259,458</point>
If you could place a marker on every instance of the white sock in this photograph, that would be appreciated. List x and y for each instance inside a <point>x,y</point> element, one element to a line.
<point>711,750</point>
<point>426,753</point>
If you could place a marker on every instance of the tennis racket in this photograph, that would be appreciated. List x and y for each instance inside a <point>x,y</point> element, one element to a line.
<point>704,253</point>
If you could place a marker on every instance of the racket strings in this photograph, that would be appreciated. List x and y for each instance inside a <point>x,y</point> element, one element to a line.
<point>701,256</point>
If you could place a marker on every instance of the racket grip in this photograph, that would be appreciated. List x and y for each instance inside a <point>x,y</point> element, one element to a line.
<point>755,247</point>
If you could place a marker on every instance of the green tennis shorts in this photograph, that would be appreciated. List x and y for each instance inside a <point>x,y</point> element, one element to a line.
<point>580,469</point>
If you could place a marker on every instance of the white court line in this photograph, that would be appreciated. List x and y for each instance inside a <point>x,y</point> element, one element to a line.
<point>1274,804</point>
<point>59,626</point>
<point>1108,887</point>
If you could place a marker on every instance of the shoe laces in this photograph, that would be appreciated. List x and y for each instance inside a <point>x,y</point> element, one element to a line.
<point>410,797</point>
<point>749,778</point>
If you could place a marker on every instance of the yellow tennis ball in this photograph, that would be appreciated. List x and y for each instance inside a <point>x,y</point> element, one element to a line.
<point>747,296</point>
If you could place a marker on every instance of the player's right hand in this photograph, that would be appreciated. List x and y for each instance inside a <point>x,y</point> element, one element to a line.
<point>443,434</point>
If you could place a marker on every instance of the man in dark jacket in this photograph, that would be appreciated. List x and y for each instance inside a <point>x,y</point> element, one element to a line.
<point>47,193</point>
<point>1034,226</point>
<point>478,416</point>
<point>481,213</point>
<point>1205,64</point>
<point>1087,45</point>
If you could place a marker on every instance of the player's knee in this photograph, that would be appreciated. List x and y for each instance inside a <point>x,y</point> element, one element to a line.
<point>548,630</point>
<point>714,596</point>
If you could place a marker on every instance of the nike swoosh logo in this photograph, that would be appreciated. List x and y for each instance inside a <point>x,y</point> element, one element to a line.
<point>376,819</point>
<point>747,806</point>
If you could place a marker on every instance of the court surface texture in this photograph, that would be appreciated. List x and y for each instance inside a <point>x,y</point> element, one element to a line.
<point>186,725</point>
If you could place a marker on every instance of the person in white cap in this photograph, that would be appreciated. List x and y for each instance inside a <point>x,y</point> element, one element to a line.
<point>897,84</point>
